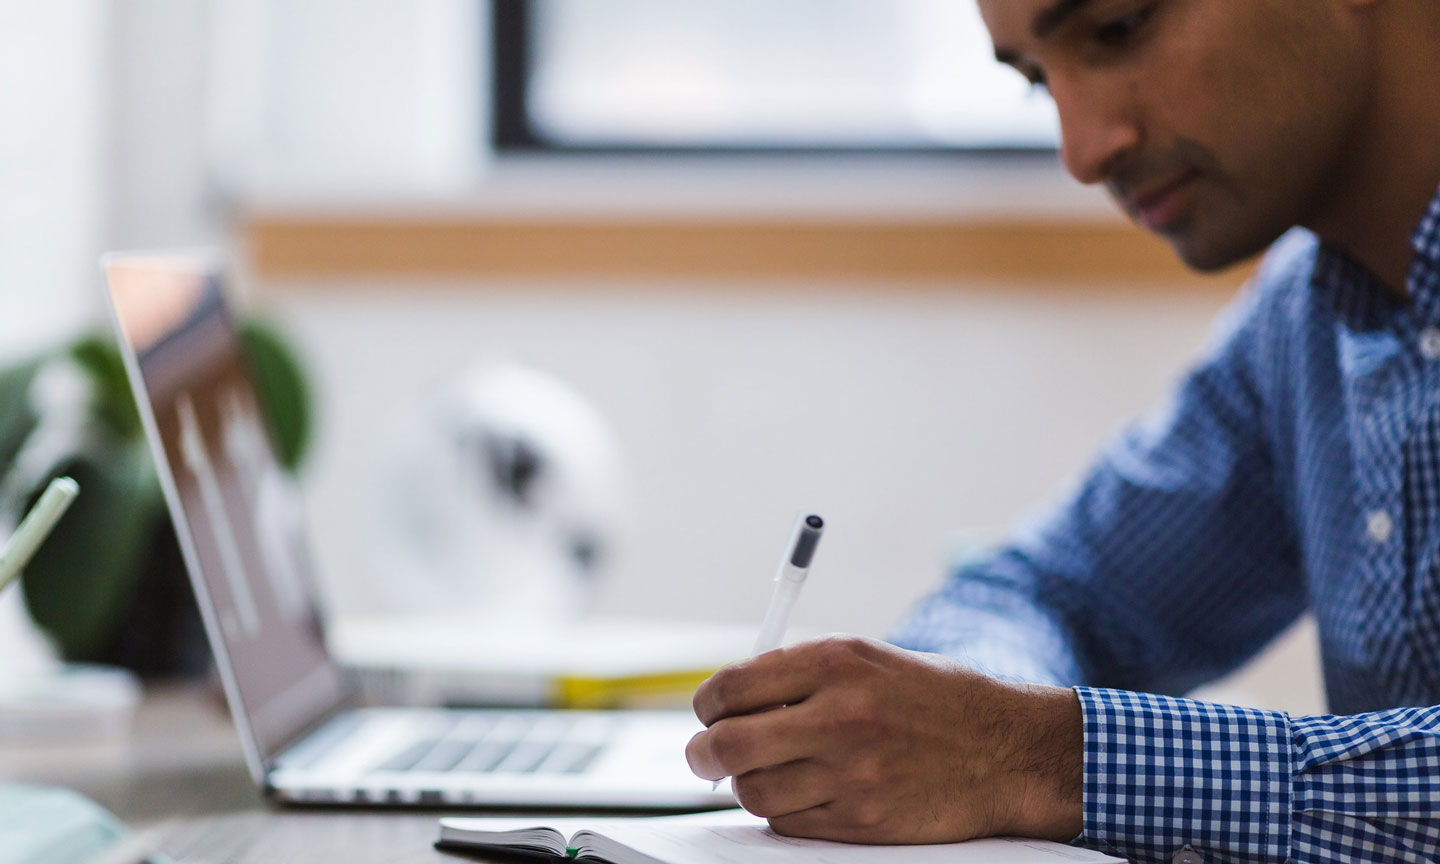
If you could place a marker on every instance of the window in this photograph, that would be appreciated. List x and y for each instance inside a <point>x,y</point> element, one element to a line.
<point>729,75</point>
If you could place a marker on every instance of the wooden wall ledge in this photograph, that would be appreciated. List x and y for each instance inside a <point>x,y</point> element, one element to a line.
<point>1090,252</point>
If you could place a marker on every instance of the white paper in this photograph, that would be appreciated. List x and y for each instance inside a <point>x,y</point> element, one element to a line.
<point>736,837</point>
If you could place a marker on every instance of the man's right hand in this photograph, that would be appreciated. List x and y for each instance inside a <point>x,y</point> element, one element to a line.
<point>851,739</point>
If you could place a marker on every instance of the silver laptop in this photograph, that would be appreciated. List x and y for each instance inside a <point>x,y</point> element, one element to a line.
<point>236,517</point>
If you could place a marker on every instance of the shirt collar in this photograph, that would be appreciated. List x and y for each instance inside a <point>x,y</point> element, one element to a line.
<point>1360,302</point>
<point>1426,238</point>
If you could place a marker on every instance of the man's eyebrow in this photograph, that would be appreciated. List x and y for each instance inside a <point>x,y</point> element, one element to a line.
<point>1045,23</point>
<point>1055,15</point>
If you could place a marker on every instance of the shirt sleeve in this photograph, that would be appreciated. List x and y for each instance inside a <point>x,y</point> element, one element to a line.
<point>1241,784</point>
<point>1171,562</point>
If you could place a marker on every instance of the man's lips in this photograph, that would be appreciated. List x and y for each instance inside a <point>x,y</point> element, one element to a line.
<point>1161,206</point>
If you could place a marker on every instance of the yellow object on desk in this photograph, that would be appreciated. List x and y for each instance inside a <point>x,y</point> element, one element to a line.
<point>658,690</point>
<point>590,663</point>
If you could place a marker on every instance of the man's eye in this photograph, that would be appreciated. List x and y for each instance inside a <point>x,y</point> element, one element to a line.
<point>1117,32</point>
<point>1036,79</point>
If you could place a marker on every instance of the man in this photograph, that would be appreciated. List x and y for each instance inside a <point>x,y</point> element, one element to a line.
<point>1298,466</point>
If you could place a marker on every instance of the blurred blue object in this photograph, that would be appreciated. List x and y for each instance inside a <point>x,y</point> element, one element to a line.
<point>46,825</point>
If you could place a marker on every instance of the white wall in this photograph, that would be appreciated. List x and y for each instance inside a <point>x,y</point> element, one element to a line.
<point>915,420</point>
<point>156,93</point>
<point>344,98</point>
<point>52,183</point>
<point>210,103</point>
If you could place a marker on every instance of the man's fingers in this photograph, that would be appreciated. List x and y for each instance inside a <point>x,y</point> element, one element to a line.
<point>735,745</point>
<point>785,789</point>
<point>784,676</point>
<point>820,822</point>
<point>847,821</point>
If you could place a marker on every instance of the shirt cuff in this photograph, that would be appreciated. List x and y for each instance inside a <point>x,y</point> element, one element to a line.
<point>1164,773</point>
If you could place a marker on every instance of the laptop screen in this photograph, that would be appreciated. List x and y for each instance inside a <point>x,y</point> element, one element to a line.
<point>236,512</point>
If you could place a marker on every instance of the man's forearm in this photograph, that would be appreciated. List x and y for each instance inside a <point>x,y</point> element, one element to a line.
<point>993,628</point>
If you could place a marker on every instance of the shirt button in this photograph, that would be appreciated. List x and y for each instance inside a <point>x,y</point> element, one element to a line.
<point>1430,343</point>
<point>1379,526</point>
<point>1187,856</point>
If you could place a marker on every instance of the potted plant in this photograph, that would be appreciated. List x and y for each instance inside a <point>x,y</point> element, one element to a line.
<point>110,585</point>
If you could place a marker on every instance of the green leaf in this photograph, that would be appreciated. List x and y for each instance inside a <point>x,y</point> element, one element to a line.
<point>114,404</point>
<point>281,390</point>
<point>16,417</point>
<point>82,579</point>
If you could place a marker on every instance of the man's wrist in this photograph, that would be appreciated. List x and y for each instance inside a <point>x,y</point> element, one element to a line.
<point>1048,764</point>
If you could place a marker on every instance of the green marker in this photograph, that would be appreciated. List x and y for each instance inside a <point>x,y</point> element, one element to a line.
<point>35,527</point>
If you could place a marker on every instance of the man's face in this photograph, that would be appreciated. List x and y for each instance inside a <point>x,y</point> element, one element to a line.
<point>1217,124</point>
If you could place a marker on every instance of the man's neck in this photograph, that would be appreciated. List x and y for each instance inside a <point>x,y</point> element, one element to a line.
<point>1393,171</point>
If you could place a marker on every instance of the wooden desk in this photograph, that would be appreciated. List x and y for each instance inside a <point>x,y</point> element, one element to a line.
<point>181,778</point>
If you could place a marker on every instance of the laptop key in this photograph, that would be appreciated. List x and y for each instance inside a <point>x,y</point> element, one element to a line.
<point>444,755</point>
<point>408,757</point>
<point>572,758</point>
<point>526,757</point>
<point>485,756</point>
<point>518,744</point>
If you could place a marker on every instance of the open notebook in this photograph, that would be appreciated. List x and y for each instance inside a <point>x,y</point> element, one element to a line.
<point>724,837</point>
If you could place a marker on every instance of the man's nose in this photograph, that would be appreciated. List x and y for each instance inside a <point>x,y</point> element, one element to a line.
<point>1095,138</point>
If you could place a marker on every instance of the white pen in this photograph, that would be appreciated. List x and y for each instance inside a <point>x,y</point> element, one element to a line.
<point>35,527</point>
<point>794,567</point>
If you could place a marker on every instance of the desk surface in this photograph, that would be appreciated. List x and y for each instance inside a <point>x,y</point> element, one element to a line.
<point>180,776</point>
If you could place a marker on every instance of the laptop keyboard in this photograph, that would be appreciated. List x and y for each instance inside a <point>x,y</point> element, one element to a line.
<point>503,743</point>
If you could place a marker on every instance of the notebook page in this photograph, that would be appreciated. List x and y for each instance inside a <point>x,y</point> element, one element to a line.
<point>493,828</point>
<point>736,837</point>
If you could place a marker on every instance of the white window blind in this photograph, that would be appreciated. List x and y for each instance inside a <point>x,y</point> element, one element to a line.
<point>856,73</point>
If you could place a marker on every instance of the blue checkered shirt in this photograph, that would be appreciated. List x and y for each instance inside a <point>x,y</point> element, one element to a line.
<point>1296,467</point>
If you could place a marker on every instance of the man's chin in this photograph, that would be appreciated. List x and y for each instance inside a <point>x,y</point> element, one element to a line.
<point>1211,255</point>
<point>1204,261</point>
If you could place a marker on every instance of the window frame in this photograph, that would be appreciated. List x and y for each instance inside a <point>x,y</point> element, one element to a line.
<point>511,131</point>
